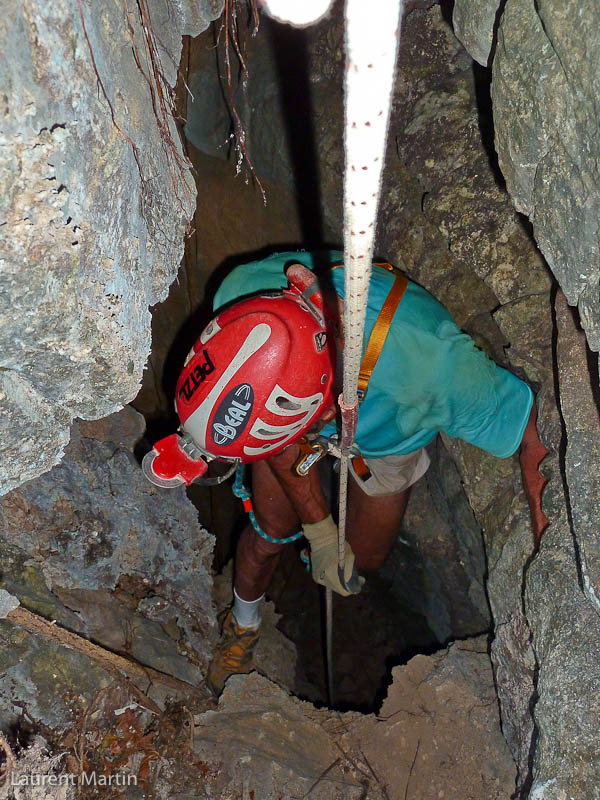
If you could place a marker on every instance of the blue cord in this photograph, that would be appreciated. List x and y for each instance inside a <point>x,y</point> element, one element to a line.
<point>240,491</point>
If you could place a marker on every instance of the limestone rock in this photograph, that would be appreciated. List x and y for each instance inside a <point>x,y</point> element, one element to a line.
<point>261,741</point>
<point>438,565</point>
<point>579,404</point>
<point>95,546</point>
<point>544,93</point>
<point>493,488</point>
<point>438,734</point>
<point>444,146</point>
<point>474,22</point>
<point>527,326</point>
<point>35,760</point>
<point>43,680</point>
<point>8,602</point>
<point>566,640</point>
<point>95,201</point>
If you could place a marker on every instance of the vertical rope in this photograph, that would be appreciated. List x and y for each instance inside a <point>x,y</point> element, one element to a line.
<point>372,35</point>
<point>329,645</point>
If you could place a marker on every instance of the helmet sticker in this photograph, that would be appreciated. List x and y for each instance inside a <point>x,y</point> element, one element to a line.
<point>232,414</point>
<point>197,376</point>
<point>210,330</point>
<point>197,423</point>
<point>320,341</point>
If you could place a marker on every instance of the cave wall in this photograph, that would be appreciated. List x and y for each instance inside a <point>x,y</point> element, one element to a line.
<point>94,207</point>
<point>448,220</point>
<point>545,63</point>
<point>92,545</point>
<point>545,73</point>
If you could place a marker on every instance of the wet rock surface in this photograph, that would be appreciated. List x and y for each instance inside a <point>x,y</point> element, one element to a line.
<point>92,230</point>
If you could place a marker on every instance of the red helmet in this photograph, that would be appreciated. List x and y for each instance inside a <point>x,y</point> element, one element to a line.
<point>256,380</point>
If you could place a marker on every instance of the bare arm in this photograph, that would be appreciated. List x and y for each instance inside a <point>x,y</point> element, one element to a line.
<point>531,454</point>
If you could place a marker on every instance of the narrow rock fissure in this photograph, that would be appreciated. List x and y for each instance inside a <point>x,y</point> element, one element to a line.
<point>562,449</point>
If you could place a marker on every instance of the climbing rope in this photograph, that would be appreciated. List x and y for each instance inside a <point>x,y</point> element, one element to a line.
<point>372,36</point>
<point>240,491</point>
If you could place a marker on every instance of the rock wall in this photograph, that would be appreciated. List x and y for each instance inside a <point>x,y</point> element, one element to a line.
<point>93,545</point>
<point>545,72</point>
<point>561,587</point>
<point>436,735</point>
<point>96,198</point>
<point>545,63</point>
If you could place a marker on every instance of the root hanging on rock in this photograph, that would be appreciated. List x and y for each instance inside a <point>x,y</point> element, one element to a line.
<point>230,28</point>
<point>11,760</point>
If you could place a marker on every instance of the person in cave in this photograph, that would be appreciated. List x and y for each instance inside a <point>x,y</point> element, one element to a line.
<point>430,377</point>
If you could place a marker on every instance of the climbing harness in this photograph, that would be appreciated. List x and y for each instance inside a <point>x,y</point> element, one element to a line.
<point>310,454</point>
<point>240,491</point>
<point>314,448</point>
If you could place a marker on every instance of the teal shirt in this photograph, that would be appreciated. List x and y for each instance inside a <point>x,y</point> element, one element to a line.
<point>429,377</point>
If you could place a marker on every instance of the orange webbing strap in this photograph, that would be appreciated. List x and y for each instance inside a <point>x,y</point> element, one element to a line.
<point>380,330</point>
<point>360,468</point>
<point>375,345</point>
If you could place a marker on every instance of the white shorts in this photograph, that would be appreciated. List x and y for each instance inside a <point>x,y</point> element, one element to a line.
<point>393,474</point>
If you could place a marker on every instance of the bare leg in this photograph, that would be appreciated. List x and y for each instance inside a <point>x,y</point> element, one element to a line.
<point>256,558</point>
<point>373,524</point>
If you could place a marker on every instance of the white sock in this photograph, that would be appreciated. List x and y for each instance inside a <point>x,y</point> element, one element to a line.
<point>246,612</point>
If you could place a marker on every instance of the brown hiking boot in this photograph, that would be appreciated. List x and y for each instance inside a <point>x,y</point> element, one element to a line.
<point>233,654</point>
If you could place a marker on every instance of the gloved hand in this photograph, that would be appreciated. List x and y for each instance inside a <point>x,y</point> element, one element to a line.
<point>323,538</point>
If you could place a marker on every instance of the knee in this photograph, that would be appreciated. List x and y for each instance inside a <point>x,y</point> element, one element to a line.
<point>370,561</point>
<point>264,548</point>
<point>276,528</point>
<point>257,549</point>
